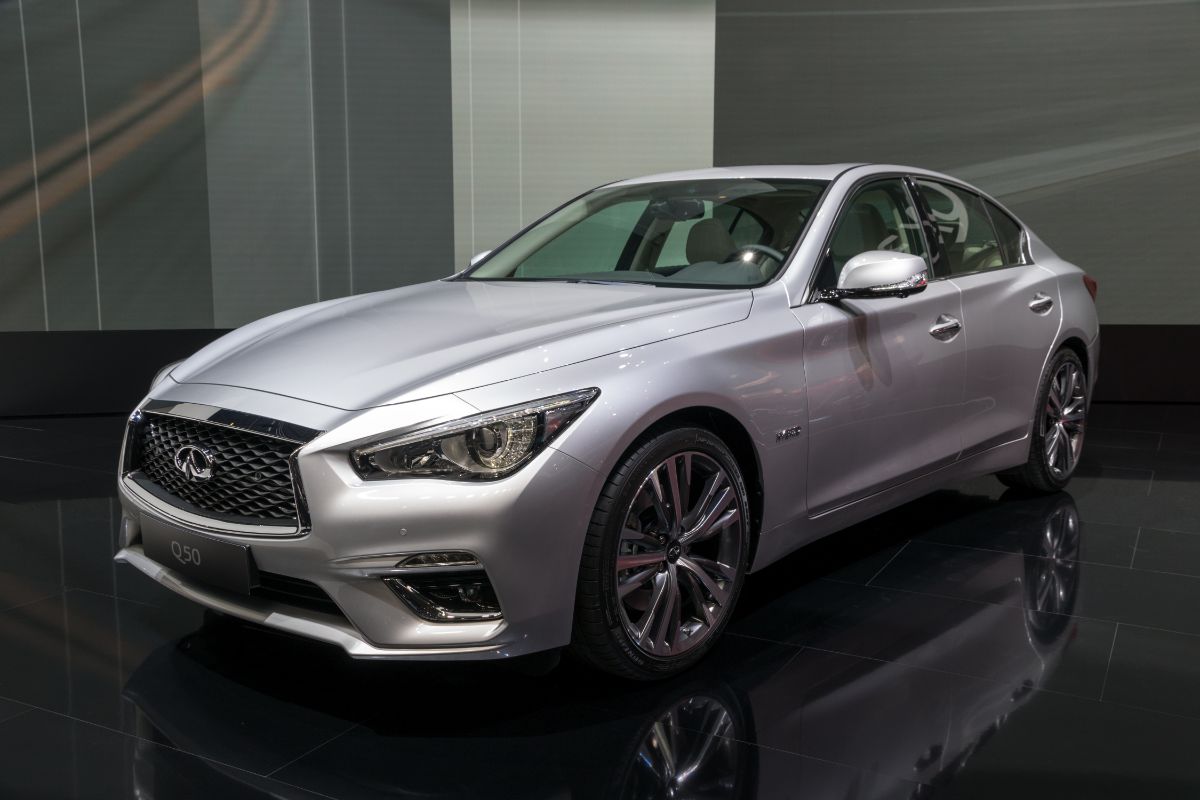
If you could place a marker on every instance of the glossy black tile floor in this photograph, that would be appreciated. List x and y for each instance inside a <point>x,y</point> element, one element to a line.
<point>973,644</point>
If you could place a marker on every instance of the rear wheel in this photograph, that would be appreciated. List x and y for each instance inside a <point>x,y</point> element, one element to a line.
<point>665,557</point>
<point>1058,428</point>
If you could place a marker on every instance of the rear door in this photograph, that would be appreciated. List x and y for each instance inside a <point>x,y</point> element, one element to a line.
<point>885,394</point>
<point>1011,311</point>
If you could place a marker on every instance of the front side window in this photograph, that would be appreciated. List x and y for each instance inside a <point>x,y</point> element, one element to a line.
<point>880,216</point>
<point>968,238</point>
<point>710,233</point>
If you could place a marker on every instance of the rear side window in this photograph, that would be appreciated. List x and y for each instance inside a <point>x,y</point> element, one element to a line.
<point>962,221</point>
<point>1009,233</point>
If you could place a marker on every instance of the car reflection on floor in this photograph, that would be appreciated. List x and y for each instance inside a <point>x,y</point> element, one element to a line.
<point>810,714</point>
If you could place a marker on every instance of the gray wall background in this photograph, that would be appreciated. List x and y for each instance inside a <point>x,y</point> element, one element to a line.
<point>552,97</point>
<point>197,164</point>
<point>191,164</point>
<point>173,168</point>
<point>1082,116</point>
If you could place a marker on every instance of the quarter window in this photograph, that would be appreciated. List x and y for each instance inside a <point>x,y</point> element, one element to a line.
<point>1009,233</point>
<point>962,221</point>
<point>881,216</point>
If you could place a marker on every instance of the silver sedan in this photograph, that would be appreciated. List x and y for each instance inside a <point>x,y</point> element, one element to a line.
<point>590,437</point>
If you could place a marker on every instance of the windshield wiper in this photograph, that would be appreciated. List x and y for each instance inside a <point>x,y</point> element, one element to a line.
<point>591,280</point>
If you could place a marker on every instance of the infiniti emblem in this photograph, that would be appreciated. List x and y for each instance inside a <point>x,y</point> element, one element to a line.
<point>194,462</point>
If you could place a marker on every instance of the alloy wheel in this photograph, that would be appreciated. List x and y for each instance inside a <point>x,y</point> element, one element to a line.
<point>692,750</point>
<point>1063,420</point>
<point>1052,572</point>
<point>679,554</point>
<point>1059,550</point>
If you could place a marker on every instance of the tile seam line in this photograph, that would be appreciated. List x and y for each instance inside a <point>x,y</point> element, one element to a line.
<point>134,736</point>
<point>906,665</point>
<point>314,749</point>
<point>1124,623</point>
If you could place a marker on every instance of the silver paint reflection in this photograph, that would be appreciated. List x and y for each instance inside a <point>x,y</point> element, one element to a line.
<point>877,410</point>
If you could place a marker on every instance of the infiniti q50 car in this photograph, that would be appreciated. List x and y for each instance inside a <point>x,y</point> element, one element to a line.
<point>590,437</point>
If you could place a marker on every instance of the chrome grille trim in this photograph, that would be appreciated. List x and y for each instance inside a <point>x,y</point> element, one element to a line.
<point>262,495</point>
<point>229,418</point>
<point>148,503</point>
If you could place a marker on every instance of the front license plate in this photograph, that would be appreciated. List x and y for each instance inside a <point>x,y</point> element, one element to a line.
<point>223,565</point>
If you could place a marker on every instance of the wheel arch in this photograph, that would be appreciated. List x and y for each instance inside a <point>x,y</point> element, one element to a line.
<point>736,437</point>
<point>1079,348</point>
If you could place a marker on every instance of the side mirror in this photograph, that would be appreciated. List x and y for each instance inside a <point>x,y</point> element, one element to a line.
<point>880,273</point>
<point>479,257</point>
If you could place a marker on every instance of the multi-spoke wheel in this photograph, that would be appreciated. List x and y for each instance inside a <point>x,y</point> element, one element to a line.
<point>1062,419</point>
<point>679,553</point>
<point>1052,570</point>
<point>1057,439</point>
<point>664,557</point>
<point>695,748</point>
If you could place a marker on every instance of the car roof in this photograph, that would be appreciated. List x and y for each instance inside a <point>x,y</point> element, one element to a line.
<point>820,172</point>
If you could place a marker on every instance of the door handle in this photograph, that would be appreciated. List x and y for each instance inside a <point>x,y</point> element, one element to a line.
<point>1041,303</point>
<point>945,327</point>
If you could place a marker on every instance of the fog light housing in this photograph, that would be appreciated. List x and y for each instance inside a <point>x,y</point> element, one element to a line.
<point>448,596</point>
<point>447,558</point>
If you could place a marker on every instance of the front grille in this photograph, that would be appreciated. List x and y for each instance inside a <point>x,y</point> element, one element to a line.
<point>251,478</point>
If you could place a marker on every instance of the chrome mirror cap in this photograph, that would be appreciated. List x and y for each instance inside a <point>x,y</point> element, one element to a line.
<point>880,273</point>
<point>480,256</point>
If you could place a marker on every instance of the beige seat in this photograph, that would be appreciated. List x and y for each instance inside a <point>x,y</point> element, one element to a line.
<point>709,241</point>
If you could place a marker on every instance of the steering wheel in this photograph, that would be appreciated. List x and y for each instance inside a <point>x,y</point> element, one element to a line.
<point>771,252</point>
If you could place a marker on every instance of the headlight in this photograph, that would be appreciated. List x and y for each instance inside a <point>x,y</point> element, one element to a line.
<point>483,447</point>
<point>162,373</point>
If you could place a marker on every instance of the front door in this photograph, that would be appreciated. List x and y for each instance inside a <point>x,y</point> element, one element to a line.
<point>884,392</point>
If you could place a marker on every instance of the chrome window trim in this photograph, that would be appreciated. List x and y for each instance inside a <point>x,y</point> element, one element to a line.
<point>465,274</point>
<point>979,272</point>
<point>807,228</point>
<point>1025,249</point>
<point>811,293</point>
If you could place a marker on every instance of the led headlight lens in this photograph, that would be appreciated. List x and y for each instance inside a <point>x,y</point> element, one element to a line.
<point>483,447</point>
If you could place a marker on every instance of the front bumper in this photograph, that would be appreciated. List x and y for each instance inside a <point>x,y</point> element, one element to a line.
<point>526,531</point>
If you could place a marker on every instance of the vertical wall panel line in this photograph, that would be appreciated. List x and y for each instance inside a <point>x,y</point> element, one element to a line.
<point>312,135</point>
<point>471,122</point>
<point>346,121</point>
<point>520,132</point>
<point>37,197</point>
<point>87,141</point>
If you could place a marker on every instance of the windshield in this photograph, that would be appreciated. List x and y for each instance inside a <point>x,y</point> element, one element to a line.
<point>729,233</point>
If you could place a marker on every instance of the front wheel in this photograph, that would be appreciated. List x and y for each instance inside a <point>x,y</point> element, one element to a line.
<point>1058,427</point>
<point>665,556</point>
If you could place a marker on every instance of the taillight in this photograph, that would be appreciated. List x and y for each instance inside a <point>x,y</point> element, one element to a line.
<point>1091,285</point>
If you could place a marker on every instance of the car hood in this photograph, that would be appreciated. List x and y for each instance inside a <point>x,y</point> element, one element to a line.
<point>449,336</point>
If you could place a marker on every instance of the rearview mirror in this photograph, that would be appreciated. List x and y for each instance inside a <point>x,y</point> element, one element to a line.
<point>480,257</point>
<point>880,273</point>
<point>676,209</point>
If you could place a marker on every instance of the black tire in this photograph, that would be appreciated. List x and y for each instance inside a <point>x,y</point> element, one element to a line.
<point>1037,474</point>
<point>599,637</point>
